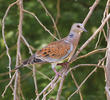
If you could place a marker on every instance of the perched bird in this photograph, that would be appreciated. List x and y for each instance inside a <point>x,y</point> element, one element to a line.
<point>59,50</point>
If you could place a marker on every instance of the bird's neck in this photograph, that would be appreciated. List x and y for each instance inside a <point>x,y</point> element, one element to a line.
<point>73,36</point>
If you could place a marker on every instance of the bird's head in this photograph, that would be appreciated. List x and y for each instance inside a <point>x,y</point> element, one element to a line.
<point>78,28</point>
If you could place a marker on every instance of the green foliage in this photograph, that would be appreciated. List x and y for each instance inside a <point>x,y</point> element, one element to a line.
<point>71,11</point>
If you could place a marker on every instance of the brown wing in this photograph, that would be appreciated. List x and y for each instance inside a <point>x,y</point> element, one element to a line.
<point>55,50</point>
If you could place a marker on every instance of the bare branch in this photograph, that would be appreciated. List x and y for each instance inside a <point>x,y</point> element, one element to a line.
<point>98,39</point>
<point>104,35</point>
<point>83,82</point>
<point>47,12</point>
<point>60,88</point>
<point>58,11</point>
<point>40,23</point>
<point>61,85</point>
<point>83,65</point>
<point>90,39</point>
<point>35,81</point>
<point>50,84</point>
<point>84,22</point>
<point>107,69</point>
<point>72,75</point>
<point>18,56</point>
<point>6,87</point>
<point>53,86</point>
<point>91,53</point>
<point>3,34</point>
<point>20,90</point>
<point>91,11</point>
<point>17,91</point>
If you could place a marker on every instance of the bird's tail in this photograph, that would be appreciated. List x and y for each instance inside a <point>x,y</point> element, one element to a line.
<point>23,64</point>
<point>31,60</point>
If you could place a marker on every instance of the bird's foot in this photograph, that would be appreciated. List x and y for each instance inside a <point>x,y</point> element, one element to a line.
<point>57,73</point>
<point>65,64</point>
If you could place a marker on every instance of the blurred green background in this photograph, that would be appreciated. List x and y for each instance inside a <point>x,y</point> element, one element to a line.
<point>70,11</point>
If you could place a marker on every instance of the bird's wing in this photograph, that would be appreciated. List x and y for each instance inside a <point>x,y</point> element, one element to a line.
<point>55,51</point>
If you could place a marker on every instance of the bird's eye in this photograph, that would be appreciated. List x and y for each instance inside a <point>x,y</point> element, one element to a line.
<point>78,26</point>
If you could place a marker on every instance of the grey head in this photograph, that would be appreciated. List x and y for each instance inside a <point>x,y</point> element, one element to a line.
<point>78,28</point>
<point>75,31</point>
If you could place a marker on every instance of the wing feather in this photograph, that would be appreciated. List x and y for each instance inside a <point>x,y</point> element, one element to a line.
<point>55,51</point>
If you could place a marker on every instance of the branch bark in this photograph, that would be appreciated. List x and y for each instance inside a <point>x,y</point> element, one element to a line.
<point>84,22</point>
<point>91,38</point>
<point>18,56</point>
<point>107,69</point>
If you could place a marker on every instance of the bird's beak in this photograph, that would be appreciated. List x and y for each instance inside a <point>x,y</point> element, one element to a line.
<point>85,30</point>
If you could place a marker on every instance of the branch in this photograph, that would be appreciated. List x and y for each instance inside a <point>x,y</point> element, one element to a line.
<point>76,85</point>
<point>91,53</point>
<point>34,69</point>
<point>83,82</point>
<point>52,87</point>
<point>60,88</point>
<point>6,87</point>
<point>82,65</point>
<point>58,11</point>
<point>107,69</point>
<point>3,34</point>
<point>18,56</point>
<point>90,39</point>
<point>40,23</point>
<point>50,84</point>
<point>61,85</point>
<point>47,12</point>
<point>84,22</point>
<point>91,11</point>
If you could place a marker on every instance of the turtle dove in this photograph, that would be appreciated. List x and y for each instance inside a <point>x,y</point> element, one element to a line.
<point>59,50</point>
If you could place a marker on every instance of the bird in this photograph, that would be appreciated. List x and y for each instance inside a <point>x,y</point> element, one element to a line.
<point>57,51</point>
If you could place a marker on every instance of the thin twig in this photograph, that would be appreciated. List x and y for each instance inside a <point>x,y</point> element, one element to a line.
<point>104,35</point>
<point>47,12</point>
<point>83,82</point>
<point>84,65</point>
<point>91,53</point>
<point>27,44</point>
<point>40,23</point>
<point>3,34</point>
<point>99,36</point>
<point>4,52</point>
<point>91,11</point>
<point>104,16</point>
<point>45,76</point>
<point>15,86</point>
<point>84,22</point>
<point>54,82</point>
<point>90,39</point>
<point>18,56</point>
<point>20,89</point>
<point>60,88</point>
<point>34,69</point>
<point>50,84</point>
<point>72,75</point>
<point>6,87</point>
<point>58,11</point>
<point>35,81</point>
<point>53,87</point>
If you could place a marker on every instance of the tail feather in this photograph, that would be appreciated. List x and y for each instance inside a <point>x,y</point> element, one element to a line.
<point>31,60</point>
<point>24,63</point>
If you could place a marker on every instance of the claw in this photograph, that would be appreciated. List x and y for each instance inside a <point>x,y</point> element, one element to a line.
<point>57,73</point>
<point>65,64</point>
